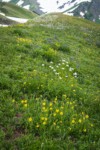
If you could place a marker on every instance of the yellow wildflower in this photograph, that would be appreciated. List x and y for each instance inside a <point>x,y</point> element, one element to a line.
<point>22,101</point>
<point>37,98</point>
<point>91,125</point>
<point>25,101</point>
<point>84,130</point>
<point>43,108</point>
<point>57,110</point>
<point>86,116</point>
<point>56,98</point>
<point>61,113</point>
<point>44,123</point>
<point>54,114</point>
<point>37,126</point>
<point>72,107</point>
<point>51,108</point>
<point>13,101</point>
<point>42,118</point>
<point>25,105</point>
<point>50,104</point>
<point>54,123</point>
<point>43,103</point>
<point>82,113</point>
<point>62,107</point>
<point>30,119</point>
<point>79,120</point>
<point>71,103</point>
<point>73,121</point>
<point>46,119</point>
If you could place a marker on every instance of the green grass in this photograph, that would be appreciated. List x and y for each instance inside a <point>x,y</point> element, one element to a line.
<point>49,84</point>
<point>16,11</point>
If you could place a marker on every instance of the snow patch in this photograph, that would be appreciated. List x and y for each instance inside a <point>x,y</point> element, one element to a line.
<point>27,7</point>
<point>48,6</point>
<point>20,20</point>
<point>6,0</point>
<point>82,14</point>
<point>2,14</point>
<point>3,25</point>
<point>68,13</point>
<point>20,2</point>
<point>72,9</point>
<point>93,20</point>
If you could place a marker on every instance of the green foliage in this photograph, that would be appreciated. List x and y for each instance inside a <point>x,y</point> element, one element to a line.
<point>98,44</point>
<point>15,11</point>
<point>49,85</point>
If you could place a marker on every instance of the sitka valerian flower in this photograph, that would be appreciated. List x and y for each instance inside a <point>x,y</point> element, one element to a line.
<point>75,74</point>
<point>71,69</point>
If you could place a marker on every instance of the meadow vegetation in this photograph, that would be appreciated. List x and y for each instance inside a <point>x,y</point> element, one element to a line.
<point>49,85</point>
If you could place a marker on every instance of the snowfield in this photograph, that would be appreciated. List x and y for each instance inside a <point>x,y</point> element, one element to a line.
<point>27,7</point>
<point>20,20</point>
<point>3,25</point>
<point>48,6</point>
<point>6,0</point>
<point>2,14</point>
<point>20,2</point>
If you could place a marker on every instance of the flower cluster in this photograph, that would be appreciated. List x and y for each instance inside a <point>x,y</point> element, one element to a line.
<point>56,114</point>
<point>24,40</point>
<point>63,69</point>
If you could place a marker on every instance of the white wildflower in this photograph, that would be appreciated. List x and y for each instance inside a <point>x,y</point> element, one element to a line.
<point>67,65</point>
<point>63,60</point>
<point>42,64</point>
<point>56,73</point>
<point>71,69</point>
<point>75,74</point>
<point>54,70</point>
<point>62,68</point>
<point>57,66</point>
<point>51,67</point>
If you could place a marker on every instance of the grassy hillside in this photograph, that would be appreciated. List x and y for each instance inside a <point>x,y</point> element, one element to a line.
<point>49,84</point>
<point>15,11</point>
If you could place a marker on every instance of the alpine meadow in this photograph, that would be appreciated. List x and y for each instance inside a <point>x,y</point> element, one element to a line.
<point>50,84</point>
